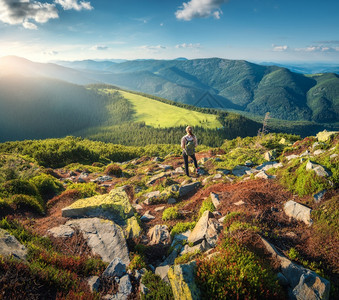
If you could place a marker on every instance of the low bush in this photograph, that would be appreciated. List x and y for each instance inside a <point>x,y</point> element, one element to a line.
<point>113,170</point>
<point>187,257</point>
<point>19,186</point>
<point>170,213</point>
<point>236,273</point>
<point>85,189</point>
<point>157,288</point>
<point>47,185</point>
<point>26,202</point>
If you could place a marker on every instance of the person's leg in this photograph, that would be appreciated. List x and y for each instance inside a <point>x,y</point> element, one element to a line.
<point>194,161</point>
<point>186,163</point>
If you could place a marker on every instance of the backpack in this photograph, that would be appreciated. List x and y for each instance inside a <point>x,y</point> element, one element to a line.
<point>190,147</point>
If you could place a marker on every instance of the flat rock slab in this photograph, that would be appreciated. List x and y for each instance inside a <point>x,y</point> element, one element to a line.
<point>104,237</point>
<point>298,212</point>
<point>114,206</point>
<point>215,199</point>
<point>187,188</point>
<point>240,170</point>
<point>268,165</point>
<point>10,246</point>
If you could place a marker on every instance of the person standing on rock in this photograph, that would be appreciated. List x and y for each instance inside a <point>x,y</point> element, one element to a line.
<point>188,144</point>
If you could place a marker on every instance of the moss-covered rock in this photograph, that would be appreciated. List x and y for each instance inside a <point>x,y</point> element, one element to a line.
<point>132,229</point>
<point>182,279</point>
<point>325,135</point>
<point>114,206</point>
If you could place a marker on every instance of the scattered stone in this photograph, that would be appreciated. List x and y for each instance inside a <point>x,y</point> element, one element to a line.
<point>318,169</point>
<point>221,220</point>
<point>160,208</point>
<point>162,272</point>
<point>239,203</point>
<point>268,165</point>
<point>115,268</point>
<point>114,206</point>
<point>157,159</point>
<point>10,246</point>
<point>159,235</point>
<point>319,196</point>
<point>151,196</point>
<point>306,153</point>
<point>187,188</point>
<point>325,135</point>
<point>215,199</point>
<point>303,283</point>
<point>217,176</point>
<point>270,155</point>
<point>61,231</point>
<point>318,152</point>
<point>217,159</point>
<point>179,170</point>
<point>203,160</point>
<point>93,283</point>
<point>249,163</point>
<point>157,177</point>
<point>103,178</point>
<point>138,207</point>
<point>251,171</point>
<point>132,228</point>
<point>292,156</point>
<point>297,211</point>
<point>334,155</point>
<point>104,237</point>
<point>125,286</point>
<point>282,141</point>
<point>223,171</point>
<point>147,217</point>
<point>262,175</point>
<point>171,201</point>
<point>182,279</point>
<point>202,247</point>
<point>240,170</point>
<point>81,180</point>
<point>206,228</point>
<point>143,289</point>
<point>165,167</point>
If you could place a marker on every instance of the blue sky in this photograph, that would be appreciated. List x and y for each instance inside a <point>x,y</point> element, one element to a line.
<point>254,30</point>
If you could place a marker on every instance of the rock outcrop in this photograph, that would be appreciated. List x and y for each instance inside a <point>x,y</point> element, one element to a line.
<point>10,246</point>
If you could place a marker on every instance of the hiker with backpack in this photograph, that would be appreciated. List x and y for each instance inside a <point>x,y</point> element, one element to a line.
<point>188,144</point>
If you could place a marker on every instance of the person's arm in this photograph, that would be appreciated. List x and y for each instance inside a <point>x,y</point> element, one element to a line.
<point>195,141</point>
<point>183,143</point>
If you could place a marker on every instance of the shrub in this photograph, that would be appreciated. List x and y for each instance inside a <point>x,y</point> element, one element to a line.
<point>242,226</point>
<point>236,273</point>
<point>182,227</point>
<point>157,288</point>
<point>231,217</point>
<point>113,170</point>
<point>47,184</point>
<point>187,257</point>
<point>137,262</point>
<point>207,204</point>
<point>18,186</point>
<point>170,213</point>
<point>85,189</point>
<point>27,202</point>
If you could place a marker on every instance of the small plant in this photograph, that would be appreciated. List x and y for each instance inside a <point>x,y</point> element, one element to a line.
<point>157,288</point>
<point>85,189</point>
<point>47,184</point>
<point>242,226</point>
<point>206,205</point>
<point>137,263</point>
<point>293,254</point>
<point>170,213</point>
<point>187,257</point>
<point>182,227</point>
<point>113,170</point>
<point>27,202</point>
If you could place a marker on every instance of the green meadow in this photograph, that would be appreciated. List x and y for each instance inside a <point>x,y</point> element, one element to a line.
<point>158,114</point>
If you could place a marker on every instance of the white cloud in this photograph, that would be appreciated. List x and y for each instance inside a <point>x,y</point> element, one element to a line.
<point>318,49</point>
<point>74,4</point>
<point>158,47</point>
<point>184,45</point>
<point>200,9</point>
<point>280,48</point>
<point>23,12</point>
<point>50,53</point>
<point>99,47</point>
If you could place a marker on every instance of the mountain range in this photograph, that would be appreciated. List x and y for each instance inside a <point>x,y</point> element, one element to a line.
<point>212,82</point>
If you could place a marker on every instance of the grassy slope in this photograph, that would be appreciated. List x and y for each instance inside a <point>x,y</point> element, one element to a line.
<point>157,114</point>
